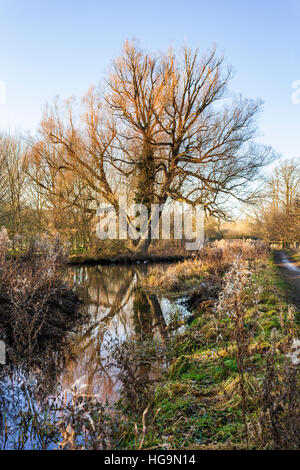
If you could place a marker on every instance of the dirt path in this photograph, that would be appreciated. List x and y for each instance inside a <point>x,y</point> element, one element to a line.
<point>291,273</point>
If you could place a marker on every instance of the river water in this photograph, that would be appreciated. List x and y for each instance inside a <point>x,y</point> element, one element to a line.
<point>114,309</point>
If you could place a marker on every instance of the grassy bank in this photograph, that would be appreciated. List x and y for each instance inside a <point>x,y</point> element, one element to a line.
<point>223,368</point>
<point>231,380</point>
<point>121,252</point>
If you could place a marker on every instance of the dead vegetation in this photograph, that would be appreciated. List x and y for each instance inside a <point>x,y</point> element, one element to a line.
<point>212,261</point>
<point>228,381</point>
<point>229,384</point>
<point>36,306</point>
<point>278,426</point>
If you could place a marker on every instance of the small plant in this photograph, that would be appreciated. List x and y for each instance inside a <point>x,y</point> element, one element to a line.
<point>232,302</point>
<point>139,363</point>
<point>280,420</point>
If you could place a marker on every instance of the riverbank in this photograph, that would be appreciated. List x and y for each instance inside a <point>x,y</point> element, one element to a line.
<point>37,306</point>
<point>121,252</point>
<point>92,260</point>
<point>215,392</point>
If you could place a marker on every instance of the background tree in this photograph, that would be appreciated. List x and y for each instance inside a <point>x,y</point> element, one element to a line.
<point>14,183</point>
<point>278,217</point>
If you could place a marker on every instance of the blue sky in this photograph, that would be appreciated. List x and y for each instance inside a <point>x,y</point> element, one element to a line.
<point>51,47</point>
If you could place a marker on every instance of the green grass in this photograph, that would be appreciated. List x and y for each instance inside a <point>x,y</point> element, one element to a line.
<point>197,403</point>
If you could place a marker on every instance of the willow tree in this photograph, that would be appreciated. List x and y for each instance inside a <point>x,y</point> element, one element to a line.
<point>164,128</point>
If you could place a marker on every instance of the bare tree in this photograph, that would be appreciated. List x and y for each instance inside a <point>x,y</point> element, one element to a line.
<point>160,130</point>
<point>13,191</point>
<point>278,217</point>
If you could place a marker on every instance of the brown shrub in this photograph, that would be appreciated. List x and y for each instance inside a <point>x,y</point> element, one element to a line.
<point>36,305</point>
<point>212,259</point>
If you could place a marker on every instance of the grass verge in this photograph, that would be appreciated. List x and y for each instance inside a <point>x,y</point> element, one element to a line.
<point>198,402</point>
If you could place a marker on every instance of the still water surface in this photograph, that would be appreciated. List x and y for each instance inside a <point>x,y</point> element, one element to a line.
<point>115,309</point>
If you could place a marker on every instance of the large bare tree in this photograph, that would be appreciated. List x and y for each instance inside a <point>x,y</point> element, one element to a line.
<point>162,128</point>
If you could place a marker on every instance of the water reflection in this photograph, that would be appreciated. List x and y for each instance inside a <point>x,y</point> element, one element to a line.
<point>115,309</point>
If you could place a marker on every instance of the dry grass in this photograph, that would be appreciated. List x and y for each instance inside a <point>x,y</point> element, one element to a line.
<point>214,259</point>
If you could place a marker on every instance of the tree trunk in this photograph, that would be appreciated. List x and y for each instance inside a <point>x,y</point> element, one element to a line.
<point>144,245</point>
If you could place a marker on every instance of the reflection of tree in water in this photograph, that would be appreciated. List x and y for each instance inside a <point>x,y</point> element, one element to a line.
<point>114,308</point>
<point>117,310</point>
<point>25,388</point>
<point>148,315</point>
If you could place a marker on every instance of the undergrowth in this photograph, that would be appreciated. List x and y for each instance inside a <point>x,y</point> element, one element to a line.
<point>229,380</point>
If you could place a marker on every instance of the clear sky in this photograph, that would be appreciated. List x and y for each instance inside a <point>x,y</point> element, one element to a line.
<point>61,47</point>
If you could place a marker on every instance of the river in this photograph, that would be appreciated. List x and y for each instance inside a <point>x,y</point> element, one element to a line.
<point>114,309</point>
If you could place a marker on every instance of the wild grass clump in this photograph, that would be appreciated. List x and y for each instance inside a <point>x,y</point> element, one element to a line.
<point>85,423</point>
<point>233,303</point>
<point>68,420</point>
<point>278,424</point>
<point>212,260</point>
